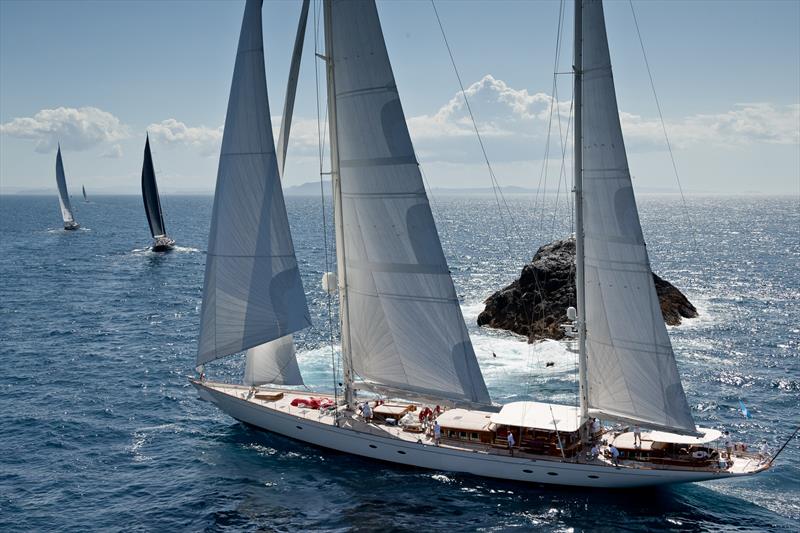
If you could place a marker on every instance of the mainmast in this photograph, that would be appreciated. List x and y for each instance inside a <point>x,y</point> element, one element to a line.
<point>579,235</point>
<point>338,218</point>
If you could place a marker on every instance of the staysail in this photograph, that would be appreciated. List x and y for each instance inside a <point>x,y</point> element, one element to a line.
<point>631,370</point>
<point>276,362</point>
<point>152,203</point>
<point>63,193</point>
<point>252,292</point>
<point>404,321</point>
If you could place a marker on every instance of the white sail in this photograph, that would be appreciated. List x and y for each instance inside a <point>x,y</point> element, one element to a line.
<point>252,292</point>
<point>631,369</point>
<point>275,361</point>
<point>404,321</point>
<point>63,193</point>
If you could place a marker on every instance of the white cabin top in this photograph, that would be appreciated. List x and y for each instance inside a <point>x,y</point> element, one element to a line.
<point>537,415</point>
<point>465,420</point>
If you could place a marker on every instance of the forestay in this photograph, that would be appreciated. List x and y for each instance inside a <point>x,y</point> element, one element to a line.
<point>405,323</point>
<point>631,369</point>
<point>252,292</point>
<point>152,203</point>
<point>275,362</point>
<point>63,193</point>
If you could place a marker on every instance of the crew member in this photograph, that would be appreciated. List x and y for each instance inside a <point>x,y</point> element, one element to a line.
<point>637,436</point>
<point>437,432</point>
<point>614,455</point>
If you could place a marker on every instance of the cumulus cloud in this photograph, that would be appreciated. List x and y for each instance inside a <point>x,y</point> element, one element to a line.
<point>173,132</point>
<point>114,152</point>
<point>742,125</point>
<point>517,117</point>
<point>501,111</point>
<point>76,128</point>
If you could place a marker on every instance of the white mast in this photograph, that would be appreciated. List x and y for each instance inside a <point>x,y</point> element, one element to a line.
<point>347,364</point>
<point>579,235</point>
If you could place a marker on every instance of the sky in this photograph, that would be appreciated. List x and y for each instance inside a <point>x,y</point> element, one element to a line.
<point>95,76</point>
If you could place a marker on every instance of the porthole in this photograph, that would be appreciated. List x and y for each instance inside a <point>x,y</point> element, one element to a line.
<point>528,471</point>
<point>299,427</point>
<point>592,476</point>
<point>372,446</point>
<point>552,474</point>
<point>401,452</point>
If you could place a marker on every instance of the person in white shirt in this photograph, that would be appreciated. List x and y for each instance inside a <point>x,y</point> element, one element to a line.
<point>366,411</point>
<point>637,436</point>
<point>596,427</point>
<point>764,451</point>
<point>511,443</point>
<point>614,454</point>
<point>437,432</point>
<point>594,452</point>
<point>728,445</point>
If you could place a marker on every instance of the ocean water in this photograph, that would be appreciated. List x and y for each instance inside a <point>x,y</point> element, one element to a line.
<point>99,428</point>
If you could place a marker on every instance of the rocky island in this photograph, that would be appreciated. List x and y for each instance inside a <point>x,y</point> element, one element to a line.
<point>535,305</point>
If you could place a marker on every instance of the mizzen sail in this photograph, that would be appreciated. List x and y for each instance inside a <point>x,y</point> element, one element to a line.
<point>152,203</point>
<point>63,193</point>
<point>405,325</point>
<point>631,370</point>
<point>252,292</point>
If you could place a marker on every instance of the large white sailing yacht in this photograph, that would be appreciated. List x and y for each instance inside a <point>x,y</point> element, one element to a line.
<point>405,348</point>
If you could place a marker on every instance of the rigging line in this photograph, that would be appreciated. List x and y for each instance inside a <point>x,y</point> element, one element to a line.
<point>553,90</point>
<point>321,146</point>
<point>543,175</point>
<point>664,129</point>
<point>498,193</point>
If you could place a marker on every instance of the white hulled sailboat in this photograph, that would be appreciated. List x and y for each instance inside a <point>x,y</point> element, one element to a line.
<point>402,333</point>
<point>63,195</point>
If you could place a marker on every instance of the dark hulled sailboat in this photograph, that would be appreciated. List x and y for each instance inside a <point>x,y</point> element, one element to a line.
<point>63,195</point>
<point>152,204</point>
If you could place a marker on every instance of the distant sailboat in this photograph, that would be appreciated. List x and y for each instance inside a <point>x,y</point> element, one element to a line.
<point>83,188</point>
<point>403,336</point>
<point>63,195</point>
<point>152,204</point>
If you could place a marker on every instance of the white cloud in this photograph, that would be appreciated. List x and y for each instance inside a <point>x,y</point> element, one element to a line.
<point>744,124</point>
<point>114,152</point>
<point>174,132</point>
<point>75,128</point>
<point>500,111</point>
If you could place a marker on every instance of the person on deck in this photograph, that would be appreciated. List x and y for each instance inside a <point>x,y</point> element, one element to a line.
<point>763,453</point>
<point>511,443</point>
<point>614,455</point>
<point>728,445</point>
<point>597,429</point>
<point>595,451</point>
<point>437,432</point>
<point>366,412</point>
<point>637,436</point>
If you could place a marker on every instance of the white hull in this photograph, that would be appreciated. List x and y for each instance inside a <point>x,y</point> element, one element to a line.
<point>320,430</point>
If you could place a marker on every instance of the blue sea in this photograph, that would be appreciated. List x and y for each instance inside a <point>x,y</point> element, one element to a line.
<point>99,428</point>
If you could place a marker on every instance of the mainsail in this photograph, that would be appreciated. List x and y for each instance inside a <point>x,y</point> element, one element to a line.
<point>631,369</point>
<point>403,322</point>
<point>152,203</point>
<point>63,193</point>
<point>275,362</point>
<point>252,292</point>
<point>83,188</point>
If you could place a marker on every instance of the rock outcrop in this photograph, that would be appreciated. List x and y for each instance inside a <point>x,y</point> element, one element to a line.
<point>536,304</point>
